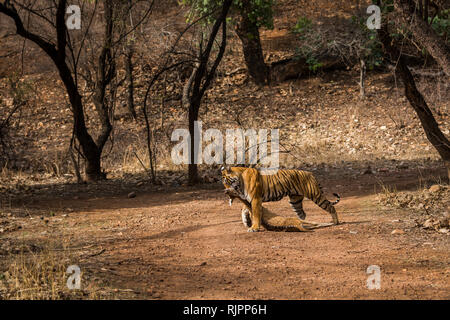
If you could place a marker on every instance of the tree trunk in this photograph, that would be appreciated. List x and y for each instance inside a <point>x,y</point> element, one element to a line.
<point>193,167</point>
<point>88,145</point>
<point>93,166</point>
<point>129,48</point>
<point>415,98</point>
<point>295,68</point>
<point>251,44</point>
<point>199,82</point>
<point>424,34</point>
<point>129,74</point>
<point>187,103</point>
<point>105,73</point>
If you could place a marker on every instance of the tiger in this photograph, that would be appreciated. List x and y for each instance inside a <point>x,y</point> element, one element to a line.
<point>255,188</point>
<point>271,221</point>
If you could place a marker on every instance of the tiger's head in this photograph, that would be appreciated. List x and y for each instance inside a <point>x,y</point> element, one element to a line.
<point>231,179</point>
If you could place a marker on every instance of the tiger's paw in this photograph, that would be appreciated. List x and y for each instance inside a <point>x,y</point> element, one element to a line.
<point>302,216</point>
<point>253,230</point>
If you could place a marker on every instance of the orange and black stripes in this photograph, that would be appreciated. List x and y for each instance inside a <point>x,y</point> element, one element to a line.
<point>296,184</point>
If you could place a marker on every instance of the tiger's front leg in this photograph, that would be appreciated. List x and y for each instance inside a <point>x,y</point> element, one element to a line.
<point>246,218</point>
<point>256,214</point>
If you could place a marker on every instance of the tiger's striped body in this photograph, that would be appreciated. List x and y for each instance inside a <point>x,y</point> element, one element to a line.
<point>272,221</point>
<point>255,188</point>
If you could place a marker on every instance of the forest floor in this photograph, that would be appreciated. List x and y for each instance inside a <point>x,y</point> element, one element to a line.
<point>134,239</point>
<point>187,243</point>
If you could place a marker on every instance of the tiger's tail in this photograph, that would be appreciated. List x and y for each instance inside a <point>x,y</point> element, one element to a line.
<point>321,195</point>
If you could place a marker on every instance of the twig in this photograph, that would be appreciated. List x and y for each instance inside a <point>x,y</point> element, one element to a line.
<point>94,254</point>
<point>143,166</point>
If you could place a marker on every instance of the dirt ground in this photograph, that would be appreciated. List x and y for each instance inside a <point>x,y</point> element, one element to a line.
<point>172,241</point>
<point>189,244</point>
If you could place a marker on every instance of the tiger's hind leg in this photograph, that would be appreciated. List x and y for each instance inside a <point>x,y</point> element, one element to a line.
<point>327,206</point>
<point>296,203</point>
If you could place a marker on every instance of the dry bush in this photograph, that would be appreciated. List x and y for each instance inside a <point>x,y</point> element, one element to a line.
<point>429,205</point>
<point>38,272</point>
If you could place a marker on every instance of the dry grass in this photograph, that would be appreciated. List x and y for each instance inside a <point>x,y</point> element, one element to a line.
<point>39,272</point>
<point>35,276</point>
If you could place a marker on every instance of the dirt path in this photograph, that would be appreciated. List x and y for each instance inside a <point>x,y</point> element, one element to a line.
<point>192,245</point>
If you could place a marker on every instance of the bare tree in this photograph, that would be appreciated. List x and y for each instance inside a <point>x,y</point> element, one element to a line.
<point>128,52</point>
<point>415,98</point>
<point>248,31</point>
<point>415,16</point>
<point>200,80</point>
<point>65,53</point>
<point>249,16</point>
